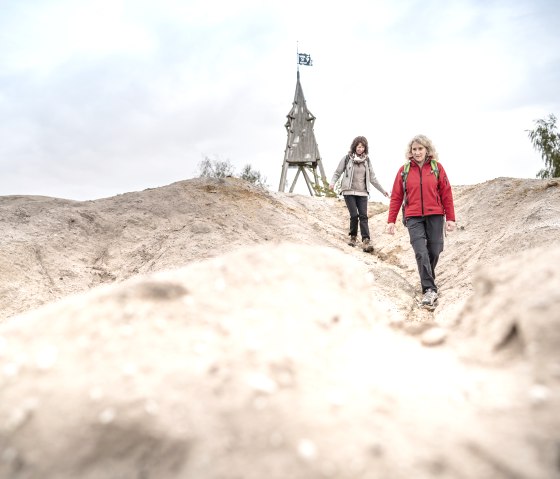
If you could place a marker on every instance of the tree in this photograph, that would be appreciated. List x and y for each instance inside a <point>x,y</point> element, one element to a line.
<point>214,168</point>
<point>209,168</point>
<point>253,176</point>
<point>546,139</point>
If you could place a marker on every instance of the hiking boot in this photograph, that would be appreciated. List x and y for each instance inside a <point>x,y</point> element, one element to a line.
<point>430,297</point>
<point>367,246</point>
<point>352,241</point>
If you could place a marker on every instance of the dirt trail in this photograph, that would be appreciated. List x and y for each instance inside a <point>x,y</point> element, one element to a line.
<point>212,329</point>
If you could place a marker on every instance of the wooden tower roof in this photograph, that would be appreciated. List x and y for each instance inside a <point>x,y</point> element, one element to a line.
<point>301,146</point>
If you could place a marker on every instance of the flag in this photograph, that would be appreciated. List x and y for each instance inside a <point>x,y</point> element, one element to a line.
<point>304,59</point>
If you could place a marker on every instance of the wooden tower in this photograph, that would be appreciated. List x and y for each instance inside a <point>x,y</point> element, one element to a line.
<point>301,151</point>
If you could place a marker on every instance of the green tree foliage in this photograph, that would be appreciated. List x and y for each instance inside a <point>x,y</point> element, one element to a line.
<point>209,168</point>
<point>324,190</point>
<point>253,176</point>
<point>214,168</point>
<point>546,140</point>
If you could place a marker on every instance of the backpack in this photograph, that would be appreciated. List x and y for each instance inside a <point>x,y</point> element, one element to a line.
<point>346,160</point>
<point>404,174</point>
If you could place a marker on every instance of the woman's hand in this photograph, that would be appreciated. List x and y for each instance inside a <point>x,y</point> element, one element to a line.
<point>390,228</point>
<point>450,226</point>
<point>331,186</point>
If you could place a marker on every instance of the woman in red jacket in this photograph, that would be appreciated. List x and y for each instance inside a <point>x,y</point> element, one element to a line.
<point>422,186</point>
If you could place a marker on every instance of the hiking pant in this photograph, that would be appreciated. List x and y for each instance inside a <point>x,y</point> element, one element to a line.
<point>357,206</point>
<point>426,238</point>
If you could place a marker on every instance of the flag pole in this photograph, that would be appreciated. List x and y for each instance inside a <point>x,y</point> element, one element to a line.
<point>297,54</point>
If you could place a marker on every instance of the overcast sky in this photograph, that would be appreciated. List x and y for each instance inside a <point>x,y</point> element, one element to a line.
<point>105,97</point>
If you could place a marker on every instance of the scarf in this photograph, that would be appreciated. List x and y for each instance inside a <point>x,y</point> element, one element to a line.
<point>359,159</point>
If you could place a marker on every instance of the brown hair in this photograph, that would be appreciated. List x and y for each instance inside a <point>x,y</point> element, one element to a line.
<point>356,141</point>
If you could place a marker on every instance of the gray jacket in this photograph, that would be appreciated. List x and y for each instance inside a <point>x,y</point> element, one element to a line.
<point>346,166</point>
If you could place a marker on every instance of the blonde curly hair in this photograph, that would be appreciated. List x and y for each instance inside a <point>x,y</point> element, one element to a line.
<point>431,153</point>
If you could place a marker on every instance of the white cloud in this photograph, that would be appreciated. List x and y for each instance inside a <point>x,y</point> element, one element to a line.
<point>104,97</point>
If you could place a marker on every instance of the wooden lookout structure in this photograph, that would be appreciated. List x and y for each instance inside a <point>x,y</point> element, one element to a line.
<point>301,151</point>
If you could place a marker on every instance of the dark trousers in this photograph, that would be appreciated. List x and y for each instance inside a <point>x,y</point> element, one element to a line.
<point>357,206</point>
<point>426,238</point>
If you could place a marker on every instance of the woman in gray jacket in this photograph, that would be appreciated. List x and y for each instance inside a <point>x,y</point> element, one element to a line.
<point>358,174</point>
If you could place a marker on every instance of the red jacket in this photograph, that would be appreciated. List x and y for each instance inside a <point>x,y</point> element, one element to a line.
<point>426,194</point>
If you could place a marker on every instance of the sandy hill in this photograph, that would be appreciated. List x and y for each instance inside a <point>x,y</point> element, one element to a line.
<point>212,329</point>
